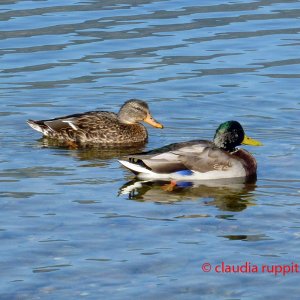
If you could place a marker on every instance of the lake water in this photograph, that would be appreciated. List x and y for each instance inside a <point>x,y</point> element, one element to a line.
<point>68,228</point>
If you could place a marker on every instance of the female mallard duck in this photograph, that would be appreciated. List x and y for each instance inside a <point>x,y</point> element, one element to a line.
<point>199,159</point>
<point>101,127</point>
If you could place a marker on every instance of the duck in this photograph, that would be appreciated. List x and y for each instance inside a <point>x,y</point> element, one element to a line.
<point>199,159</point>
<point>101,127</point>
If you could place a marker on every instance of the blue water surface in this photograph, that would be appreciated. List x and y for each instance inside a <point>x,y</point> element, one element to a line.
<point>74,223</point>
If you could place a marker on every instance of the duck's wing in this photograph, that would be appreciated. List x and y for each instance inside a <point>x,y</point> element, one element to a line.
<point>72,122</point>
<point>198,155</point>
<point>210,159</point>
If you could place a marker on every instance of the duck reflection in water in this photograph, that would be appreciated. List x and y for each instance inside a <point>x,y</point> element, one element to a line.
<point>89,153</point>
<point>226,195</point>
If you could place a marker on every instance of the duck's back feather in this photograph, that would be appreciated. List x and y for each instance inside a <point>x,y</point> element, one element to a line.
<point>166,159</point>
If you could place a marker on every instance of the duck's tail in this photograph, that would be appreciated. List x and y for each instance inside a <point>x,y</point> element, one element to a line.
<point>36,125</point>
<point>135,168</point>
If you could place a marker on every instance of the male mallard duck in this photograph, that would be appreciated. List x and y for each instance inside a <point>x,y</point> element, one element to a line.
<point>101,127</point>
<point>199,159</point>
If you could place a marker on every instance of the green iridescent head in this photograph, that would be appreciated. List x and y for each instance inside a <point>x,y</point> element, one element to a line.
<point>231,134</point>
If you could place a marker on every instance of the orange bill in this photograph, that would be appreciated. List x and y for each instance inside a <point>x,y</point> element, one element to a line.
<point>152,122</point>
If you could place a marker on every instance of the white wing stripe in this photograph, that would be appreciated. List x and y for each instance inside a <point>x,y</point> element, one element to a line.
<point>69,122</point>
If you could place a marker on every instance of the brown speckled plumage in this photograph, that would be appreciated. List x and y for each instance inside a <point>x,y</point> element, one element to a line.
<point>100,127</point>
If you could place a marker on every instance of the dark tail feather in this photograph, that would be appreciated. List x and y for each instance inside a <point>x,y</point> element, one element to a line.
<point>35,125</point>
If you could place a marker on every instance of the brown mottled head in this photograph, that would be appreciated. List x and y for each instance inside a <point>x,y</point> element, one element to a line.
<point>134,111</point>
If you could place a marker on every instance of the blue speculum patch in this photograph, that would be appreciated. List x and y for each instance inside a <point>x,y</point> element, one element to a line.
<point>184,172</point>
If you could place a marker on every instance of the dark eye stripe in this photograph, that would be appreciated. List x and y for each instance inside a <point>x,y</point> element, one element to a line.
<point>139,108</point>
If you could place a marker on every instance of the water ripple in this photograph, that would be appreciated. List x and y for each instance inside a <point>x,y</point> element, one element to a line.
<point>197,64</point>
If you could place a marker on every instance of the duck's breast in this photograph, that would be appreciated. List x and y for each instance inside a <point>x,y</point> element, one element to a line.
<point>247,160</point>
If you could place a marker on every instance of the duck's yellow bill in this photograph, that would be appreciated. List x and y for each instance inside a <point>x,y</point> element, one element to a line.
<point>152,122</point>
<point>252,142</point>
